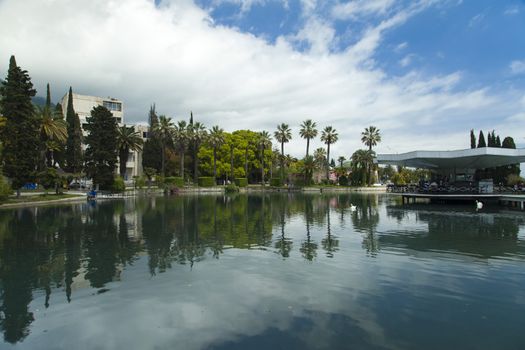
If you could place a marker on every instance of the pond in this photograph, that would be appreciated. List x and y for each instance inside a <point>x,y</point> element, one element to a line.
<point>275,271</point>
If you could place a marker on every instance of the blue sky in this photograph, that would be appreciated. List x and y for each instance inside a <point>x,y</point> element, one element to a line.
<point>424,72</point>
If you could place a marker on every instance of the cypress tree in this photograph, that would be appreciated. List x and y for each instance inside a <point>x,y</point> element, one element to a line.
<point>153,119</point>
<point>48,98</point>
<point>498,141</point>
<point>58,155</point>
<point>481,140</point>
<point>101,151</point>
<point>151,153</point>
<point>73,151</point>
<point>489,139</point>
<point>472,139</point>
<point>20,136</point>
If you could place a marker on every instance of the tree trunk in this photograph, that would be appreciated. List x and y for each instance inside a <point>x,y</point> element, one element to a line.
<point>195,164</point>
<point>215,165</point>
<point>262,166</point>
<point>231,164</point>
<point>307,145</point>
<point>328,162</point>
<point>282,161</point>
<point>182,164</point>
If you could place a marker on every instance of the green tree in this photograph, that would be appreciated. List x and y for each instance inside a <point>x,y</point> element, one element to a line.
<point>216,140</point>
<point>180,140</point>
<point>197,135</point>
<point>151,154</point>
<point>283,135</point>
<point>53,132</point>
<point>308,131</point>
<point>360,160</point>
<point>20,135</point>
<point>370,137</point>
<point>73,151</point>
<point>101,152</point>
<point>481,140</point>
<point>264,143</point>
<point>472,139</point>
<point>508,142</point>
<point>329,136</point>
<point>164,132</point>
<point>127,140</point>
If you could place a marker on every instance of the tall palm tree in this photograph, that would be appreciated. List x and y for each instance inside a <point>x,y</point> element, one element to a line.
<point>264,142</point>
<point>197,135</point>
<point>328,136</point>
<point>164,130</point>
<point>53,131</point>
<point>127,140</point>
<point>370,137</point>
<point>216,140</point>
<point>180,139</point>
<point>341,160</point>
<point>283,135</point>
<point>308,132</point>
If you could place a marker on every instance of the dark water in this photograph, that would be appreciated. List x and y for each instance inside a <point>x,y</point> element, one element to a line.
<point>262,272</point>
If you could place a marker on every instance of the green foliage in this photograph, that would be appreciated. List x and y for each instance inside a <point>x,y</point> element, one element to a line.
<point>20,135</point>
<point>513,179</point>
<point>241,182</point>
<point>118,184</point>
<point>101,152</point>
<point>206,181</point>
<point>140,182</point>
<point>49,178</point>
<point>343,180</point>
<point>152,154</point>
<point>481,140</point>
<point>276,182</point>
<point>231,188</point>
<point>174,181</point>
<point>5,189</point>
<point>398,179</point>
<point>73,150</point>
<point>472,139</point>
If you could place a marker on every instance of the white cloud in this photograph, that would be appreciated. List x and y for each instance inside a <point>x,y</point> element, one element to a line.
<point>174,55</point>
<point>405,61</point>
<point>357,8</point>
<point>511,10</point>
<point>402,46</point>
<point>517,67</point>
<point>476,20</point>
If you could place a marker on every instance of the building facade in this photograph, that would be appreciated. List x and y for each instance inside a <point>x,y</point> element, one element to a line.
<point>84,104</point>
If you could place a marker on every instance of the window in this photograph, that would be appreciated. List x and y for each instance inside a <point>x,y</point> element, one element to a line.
<point>113,106</point>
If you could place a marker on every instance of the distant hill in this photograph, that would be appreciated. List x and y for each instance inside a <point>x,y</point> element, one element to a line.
<point>39,101</point>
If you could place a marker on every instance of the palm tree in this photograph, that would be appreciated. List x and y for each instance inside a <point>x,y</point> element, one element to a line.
<point>197,135</point>
<point>308,132</point>
<point>264,142</point>
<point>53,131</point>
<point>283,135</point>
<point>180,138</point>
<point>370,137</point>
<point>360,160</point>
<point>341,160</point>
<point>328,136</point>
<point>308,169</point>
<point>216,140</point>
<point>164,130</point>
<point>127,140</point>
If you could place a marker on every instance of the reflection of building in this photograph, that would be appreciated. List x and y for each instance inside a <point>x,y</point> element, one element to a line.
<point>83,105</point>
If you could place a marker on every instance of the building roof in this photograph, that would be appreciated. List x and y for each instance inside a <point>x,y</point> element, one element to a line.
<point>476,158</point>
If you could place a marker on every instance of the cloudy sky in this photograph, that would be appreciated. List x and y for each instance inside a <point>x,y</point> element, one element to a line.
<point>424,71</point>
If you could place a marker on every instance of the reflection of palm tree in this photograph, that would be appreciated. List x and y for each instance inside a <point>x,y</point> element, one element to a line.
<point>330,244</point>
<point>365,220</point>
<point>283,244</point>
<point>308,248</point>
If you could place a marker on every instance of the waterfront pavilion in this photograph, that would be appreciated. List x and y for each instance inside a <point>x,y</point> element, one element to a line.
<point>457,165</point>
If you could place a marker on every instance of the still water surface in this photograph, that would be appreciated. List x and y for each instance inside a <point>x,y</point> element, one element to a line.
<point>262,272</point>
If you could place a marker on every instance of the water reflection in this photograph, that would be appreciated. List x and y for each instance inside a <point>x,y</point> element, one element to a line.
<point>59,251</point>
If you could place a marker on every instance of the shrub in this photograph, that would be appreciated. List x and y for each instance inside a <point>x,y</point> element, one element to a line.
<point>140,182</point>
<point>276,182</point>
<point>118,184</point>
<point>343,180</point>
<point>49,178</point>
<point>241,182</point>
<point>299,182</point>
<point>174,181</point>
<point>5,189</point>
<point>513,179</point>
<point>206,181</point>
<point>231,188</point>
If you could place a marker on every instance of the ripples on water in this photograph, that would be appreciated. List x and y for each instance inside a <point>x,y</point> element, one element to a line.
<point>256,272</point>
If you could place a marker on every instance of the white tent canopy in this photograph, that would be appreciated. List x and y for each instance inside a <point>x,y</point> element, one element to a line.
<point>476,158</point>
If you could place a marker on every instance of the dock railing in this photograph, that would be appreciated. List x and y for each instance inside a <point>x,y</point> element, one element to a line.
<point>451,189</point>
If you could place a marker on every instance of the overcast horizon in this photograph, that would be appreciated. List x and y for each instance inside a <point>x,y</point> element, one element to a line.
<point>424,72</point>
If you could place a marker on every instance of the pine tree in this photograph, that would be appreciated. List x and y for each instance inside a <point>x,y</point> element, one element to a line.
<point>498,141</point>
<point>101,151</point>
<point>481,140</point>
<point>153,119</point>
<point>472,139</point>
<point>20,136</point>
<point>73,151</point>
<point>489,139</point>
<point>151,153</point>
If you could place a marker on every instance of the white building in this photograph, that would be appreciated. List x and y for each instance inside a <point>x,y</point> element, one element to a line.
<point>83,105</point>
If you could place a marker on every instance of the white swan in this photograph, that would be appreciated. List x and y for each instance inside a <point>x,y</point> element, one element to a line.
<point>352,207</point>
<point>479,205</point>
